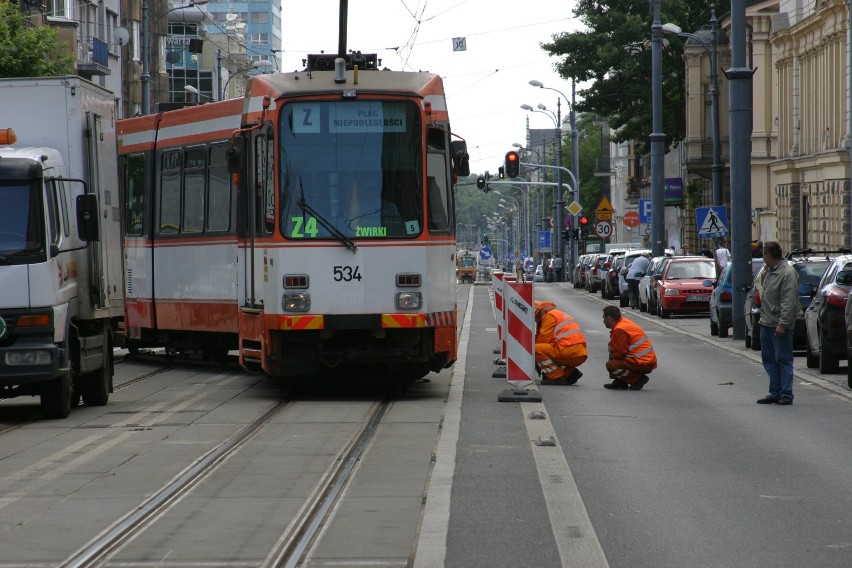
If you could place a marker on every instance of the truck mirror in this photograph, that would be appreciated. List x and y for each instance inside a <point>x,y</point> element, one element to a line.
<point>461,159</point>
<point>87,217</point>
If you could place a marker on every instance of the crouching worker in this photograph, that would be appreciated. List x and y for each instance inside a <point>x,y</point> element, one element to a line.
<point>631,355</point>
<point>560,346</point>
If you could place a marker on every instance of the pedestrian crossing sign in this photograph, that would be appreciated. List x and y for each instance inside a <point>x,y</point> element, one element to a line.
<point>711,222</point>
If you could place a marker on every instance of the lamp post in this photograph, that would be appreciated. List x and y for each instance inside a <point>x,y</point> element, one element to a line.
<point>193,91</point>
<point>145,78</point>
<point>575,171</point>
<point>263,63</point>
<point>712,49</point>
<point>657,138</point>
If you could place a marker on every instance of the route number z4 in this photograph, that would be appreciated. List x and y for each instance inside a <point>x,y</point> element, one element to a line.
<point>347,273</point>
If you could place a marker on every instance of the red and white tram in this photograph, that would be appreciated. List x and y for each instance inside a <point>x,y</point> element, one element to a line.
<point>309,225</point>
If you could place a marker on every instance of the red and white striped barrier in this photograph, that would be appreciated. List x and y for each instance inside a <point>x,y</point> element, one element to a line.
<point>519,333</point>
<point>497,286</point>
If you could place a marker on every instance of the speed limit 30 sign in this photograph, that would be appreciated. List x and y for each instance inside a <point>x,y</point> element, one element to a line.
<point>603,229</point>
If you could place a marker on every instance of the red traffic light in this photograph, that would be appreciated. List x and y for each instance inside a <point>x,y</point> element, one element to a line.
<point>512,164</point>
<point>584,220</point>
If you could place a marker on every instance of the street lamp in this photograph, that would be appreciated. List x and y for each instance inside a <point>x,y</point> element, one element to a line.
<point>657,137</point>
<point>260,64</point>
<point>145,79</point>
<point>193,91</point>
<point>575,171</point>
<point>716,169</point>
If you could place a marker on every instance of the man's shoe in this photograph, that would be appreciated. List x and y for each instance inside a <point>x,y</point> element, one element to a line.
<point>768,400</point>
<point>641,382</point>
<point>784,401</point>
<point>574,376</point>
<point>617,385</point>
<point>559,381</point>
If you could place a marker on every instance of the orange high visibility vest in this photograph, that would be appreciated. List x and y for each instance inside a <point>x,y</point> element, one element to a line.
<point>567,331</point>
<point>640,350</point>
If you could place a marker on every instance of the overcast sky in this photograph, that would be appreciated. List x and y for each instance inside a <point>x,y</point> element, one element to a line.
<point>485,85</point>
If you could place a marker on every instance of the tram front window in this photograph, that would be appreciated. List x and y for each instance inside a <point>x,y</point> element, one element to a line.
<point>357,164</point>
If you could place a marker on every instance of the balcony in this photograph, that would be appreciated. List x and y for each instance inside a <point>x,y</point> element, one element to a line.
<point>93,58</point>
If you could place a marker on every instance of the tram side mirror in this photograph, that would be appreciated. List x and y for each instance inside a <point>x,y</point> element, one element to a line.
<point>87,217</point>
<point>461,159</point>
<point>235,156</point>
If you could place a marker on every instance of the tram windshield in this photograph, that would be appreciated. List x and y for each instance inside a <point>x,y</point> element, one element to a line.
<point>356,164</point>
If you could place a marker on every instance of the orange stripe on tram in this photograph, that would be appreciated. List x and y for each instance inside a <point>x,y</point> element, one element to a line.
<point>301,322</point>
<point>403,320</point>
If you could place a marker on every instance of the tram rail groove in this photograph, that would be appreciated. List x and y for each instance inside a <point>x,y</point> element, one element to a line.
<point>112,539</point>
<point>300,535</point>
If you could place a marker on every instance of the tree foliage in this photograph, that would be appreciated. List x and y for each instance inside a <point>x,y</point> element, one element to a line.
<point>613,54</point>
<point>30,51</point>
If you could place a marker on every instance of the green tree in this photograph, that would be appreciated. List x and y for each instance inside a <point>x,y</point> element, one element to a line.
<point>30,51</point>
<point>613,54</point>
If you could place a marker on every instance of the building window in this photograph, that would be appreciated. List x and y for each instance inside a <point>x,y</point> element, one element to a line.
<point>259,39</point>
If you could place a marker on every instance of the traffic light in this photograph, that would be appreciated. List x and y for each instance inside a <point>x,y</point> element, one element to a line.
<point>482,182</point>
<point>501,172</point>
<point>584,227</point>
<point>512,164</point>
<point>566,234</point>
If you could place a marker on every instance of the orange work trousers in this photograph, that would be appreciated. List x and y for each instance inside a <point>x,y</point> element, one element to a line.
<point>557,362</point>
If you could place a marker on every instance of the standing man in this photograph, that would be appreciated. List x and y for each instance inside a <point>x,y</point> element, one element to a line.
<point>635,272</point>
<point>631,355</point>
<point>779,307</point>
<point>723,255</point>
<point>560,346</point>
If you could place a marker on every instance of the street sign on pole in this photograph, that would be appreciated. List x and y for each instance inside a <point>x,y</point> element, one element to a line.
<point>603,229</point>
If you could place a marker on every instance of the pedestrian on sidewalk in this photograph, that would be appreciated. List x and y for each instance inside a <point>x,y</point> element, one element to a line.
<point>631,354</point>
<point>635,272</point>
<point>560,346</point>
<point>779,308</point>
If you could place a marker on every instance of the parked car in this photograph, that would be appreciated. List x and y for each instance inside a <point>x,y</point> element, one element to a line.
<point>825,317</point>
<point>721,299</point>
<point>647,280</point>
<point>593,274</point>
<point>580,272</point>
<point>629,257</point>
<point>654,285</point>
<point>609,287</point>
<point>810,267</point>
<point>538,275</point>
<point>682,287</point>
<point>848,314</point>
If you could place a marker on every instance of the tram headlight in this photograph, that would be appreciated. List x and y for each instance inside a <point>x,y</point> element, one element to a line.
<point>409,300</point>
<point>296,302</point>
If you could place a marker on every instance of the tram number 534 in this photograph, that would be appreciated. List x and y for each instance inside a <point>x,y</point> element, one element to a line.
<point>347,273</point>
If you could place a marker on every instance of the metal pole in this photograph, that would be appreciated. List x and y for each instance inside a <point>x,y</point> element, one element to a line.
<point>739,125</point>
<point>560,203</point>
<point>657,138</point>
<point>146,61</point>
<point>575,169</point>
<point>717,168</point>
<point>219,74</point>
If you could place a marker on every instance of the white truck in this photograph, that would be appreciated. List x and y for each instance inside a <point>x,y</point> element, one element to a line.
<point>61,287</point>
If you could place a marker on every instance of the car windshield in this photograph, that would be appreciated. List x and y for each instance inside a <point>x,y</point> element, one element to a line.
<point>810,272</point>
<point>683,270</point>
<point>21,221</point>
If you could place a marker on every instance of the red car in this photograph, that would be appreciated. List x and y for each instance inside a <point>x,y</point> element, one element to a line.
<point>681,287</point>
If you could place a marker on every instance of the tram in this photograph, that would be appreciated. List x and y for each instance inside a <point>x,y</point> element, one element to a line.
<point>308,226</point>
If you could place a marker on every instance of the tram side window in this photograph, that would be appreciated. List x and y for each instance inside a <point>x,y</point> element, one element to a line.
<point>437,192</point>
<point>264,182</point>
<point>134,194</point>
<point>170,193</point>
<point>194,170</point>
<point>219,191</point>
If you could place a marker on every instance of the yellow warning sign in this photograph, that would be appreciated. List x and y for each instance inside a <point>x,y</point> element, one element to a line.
<point>604,210</point>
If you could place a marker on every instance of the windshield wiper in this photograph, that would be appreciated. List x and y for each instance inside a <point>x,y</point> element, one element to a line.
<point>335,232</point>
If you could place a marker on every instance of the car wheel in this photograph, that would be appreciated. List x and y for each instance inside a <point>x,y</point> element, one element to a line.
<point>723,331</point>
<point>828,361</point>
<point>664,313</point>
<point>714,328</point>
<point>748,340</point>
<point>811,360</point>
<point>643,307</point>
<point>849,369</point>
<point>623,301</point>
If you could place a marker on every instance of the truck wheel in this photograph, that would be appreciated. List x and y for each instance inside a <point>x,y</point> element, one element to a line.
<point>56,397</point>
<point>95,387</point>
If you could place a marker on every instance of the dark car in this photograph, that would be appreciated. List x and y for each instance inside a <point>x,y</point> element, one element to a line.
<point>825,319</point>
<point>721,312</point>
<point>681,288</point>
<point>609,288</point>
<point>647,281</point>
<point>810,266</point>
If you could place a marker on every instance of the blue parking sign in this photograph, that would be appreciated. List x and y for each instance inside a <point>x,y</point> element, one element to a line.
<point>645,211</point>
